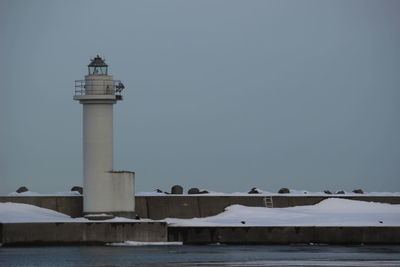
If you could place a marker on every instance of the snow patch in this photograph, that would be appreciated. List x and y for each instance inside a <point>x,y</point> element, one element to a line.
<point>138,243</point>
<point>16,212</point>
<point>24,213</point>
<point>329,212</point>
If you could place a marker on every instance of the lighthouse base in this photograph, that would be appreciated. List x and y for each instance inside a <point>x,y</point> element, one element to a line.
<point>96,216</point>
<point>112,193</point>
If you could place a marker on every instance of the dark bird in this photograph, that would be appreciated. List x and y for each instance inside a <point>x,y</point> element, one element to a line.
<point>119,87</point>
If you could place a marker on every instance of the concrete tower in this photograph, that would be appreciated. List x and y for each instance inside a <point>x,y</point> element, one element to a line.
<point>105,191</point>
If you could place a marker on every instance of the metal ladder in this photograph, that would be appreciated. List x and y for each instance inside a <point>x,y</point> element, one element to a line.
<point>268,202</point>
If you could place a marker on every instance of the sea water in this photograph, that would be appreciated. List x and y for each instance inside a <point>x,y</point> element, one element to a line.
<point>204,255</point>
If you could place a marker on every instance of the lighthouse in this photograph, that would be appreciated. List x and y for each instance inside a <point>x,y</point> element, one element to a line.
<point>106,192</point>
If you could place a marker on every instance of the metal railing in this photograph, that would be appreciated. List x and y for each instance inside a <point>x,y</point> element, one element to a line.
<point>108,87</point>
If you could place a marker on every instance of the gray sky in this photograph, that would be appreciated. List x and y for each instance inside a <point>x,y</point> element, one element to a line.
<point>222,95</point>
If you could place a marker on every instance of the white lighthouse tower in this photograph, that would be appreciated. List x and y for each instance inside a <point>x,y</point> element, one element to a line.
<point>106,192</point>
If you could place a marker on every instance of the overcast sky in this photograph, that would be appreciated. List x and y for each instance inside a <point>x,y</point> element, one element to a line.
<point>221,95</point>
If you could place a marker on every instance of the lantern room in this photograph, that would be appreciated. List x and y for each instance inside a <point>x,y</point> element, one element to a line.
<point>97,66</point>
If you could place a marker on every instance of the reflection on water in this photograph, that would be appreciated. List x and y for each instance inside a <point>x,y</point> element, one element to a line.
<point>293,255</point>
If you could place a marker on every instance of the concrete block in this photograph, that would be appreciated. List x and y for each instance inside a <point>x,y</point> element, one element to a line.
<point>173,207</point>
<point>285,235</point>
<point>213,205</point>
<point>72,206</point>
<point>285,201</point>
<point>159,207</point>
<point>96,232</point>
<point>121,189</point>
<point>141,206</point>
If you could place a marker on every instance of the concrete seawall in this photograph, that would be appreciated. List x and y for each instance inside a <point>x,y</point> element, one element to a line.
<point>285,235</point>
<point>172,206</point>
<point>160,207</point>
<point>83,233</point>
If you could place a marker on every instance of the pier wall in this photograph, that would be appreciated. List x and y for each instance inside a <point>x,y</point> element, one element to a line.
<point>285,235</point>
<point>160,207</point>
<point>82,233</point>
<point>175,206</point>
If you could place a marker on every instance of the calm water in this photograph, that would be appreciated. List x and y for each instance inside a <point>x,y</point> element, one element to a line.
<point>211,255</point>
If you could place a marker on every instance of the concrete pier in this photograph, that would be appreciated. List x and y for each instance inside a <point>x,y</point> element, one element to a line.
<point>285,235</point>
<point>160,207</point>
<point>81,233</point>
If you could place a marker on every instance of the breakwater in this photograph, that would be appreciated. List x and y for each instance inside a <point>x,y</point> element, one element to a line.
<point>184,206</point>
<point>62,233</point>
<point>285,235</point>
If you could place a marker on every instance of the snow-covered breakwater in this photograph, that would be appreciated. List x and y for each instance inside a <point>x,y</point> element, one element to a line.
<point>334,221</point>
<point>160,206</point>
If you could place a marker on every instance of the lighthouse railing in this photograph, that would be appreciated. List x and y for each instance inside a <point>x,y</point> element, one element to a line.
<point>107,87</point>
